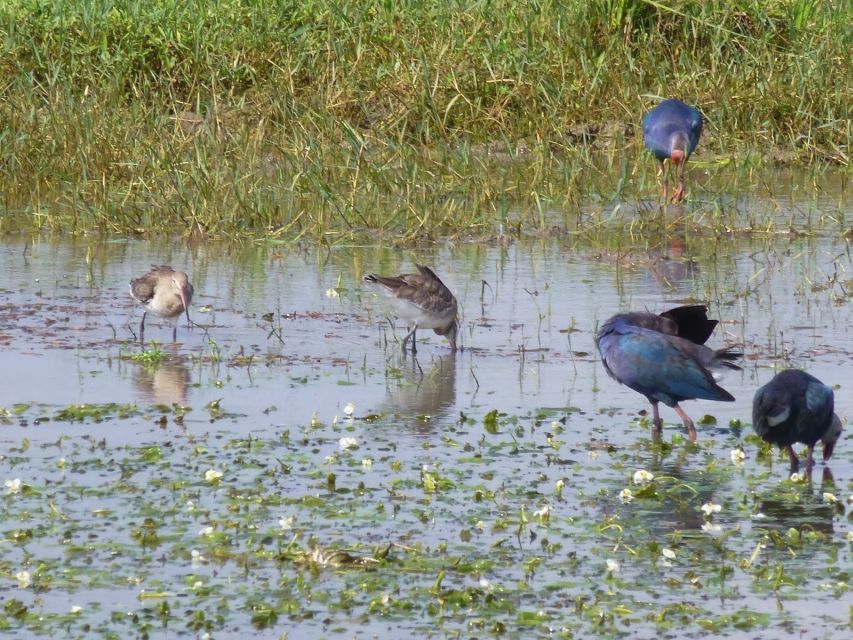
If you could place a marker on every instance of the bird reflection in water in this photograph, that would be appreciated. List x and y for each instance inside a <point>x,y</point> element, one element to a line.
<point>800,506</point>
<point>672,265</point>
<point>421,396</point>
<point>167,384</point>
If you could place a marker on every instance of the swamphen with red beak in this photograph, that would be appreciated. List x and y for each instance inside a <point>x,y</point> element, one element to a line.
<point>796,407</point>
<point>671,132</point>
<point>663,358</point>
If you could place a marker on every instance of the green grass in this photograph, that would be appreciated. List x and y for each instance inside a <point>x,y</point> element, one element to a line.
<point>331,119</point>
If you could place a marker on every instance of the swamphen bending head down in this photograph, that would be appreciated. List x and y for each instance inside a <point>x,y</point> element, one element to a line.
<point>671,132</point>
<point>796,407</point>
<point>663,358</point>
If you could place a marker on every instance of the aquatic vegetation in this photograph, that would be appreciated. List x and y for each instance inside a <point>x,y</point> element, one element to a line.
<point>333,121</point>
<point>490,494</point>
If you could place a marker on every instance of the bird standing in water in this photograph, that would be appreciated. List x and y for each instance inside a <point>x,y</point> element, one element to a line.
<point>671,132</point>
<point>663,358</point>
<point>796,407</point>
<point>164,292</point>
<point>421,300</point>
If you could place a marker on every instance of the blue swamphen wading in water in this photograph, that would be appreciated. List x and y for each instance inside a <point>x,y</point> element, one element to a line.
<point>663,357</point>
<point>796,407</point>
<point>671,132</point>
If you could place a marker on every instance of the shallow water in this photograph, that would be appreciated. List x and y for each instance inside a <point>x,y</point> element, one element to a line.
<point>113,504</point>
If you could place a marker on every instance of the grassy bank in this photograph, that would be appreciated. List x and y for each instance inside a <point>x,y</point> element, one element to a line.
<point>327,118</point>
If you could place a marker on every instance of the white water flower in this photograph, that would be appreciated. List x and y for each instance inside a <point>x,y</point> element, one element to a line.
<point>544,513</point>
<point>205,531</point>
<point>626,496</point>
<point>737,456</point>
<point>612,566</point>
<point>558,487</point>
<point>641,476</point>
<point>286,522</point>
<point>75,609</point>
<point>710,527</point>
<point>196,558</point>
<point>349,409</point>
<point>798,477</point>
<point>829,497</point>
<point>850,536</point>
<point>23,578</point>
<point>332,293</point>
<point>555,424</point>
<point>480,525</point>
<point>212,475</point>
<point>367,464</point>
<point>669,554</point>
<point>13,486</point>
<point>709,508</point>
<point>347,443</point>
<point>592,454</point>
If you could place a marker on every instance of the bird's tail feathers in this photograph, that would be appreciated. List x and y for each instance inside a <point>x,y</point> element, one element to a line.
<point>725,357</point>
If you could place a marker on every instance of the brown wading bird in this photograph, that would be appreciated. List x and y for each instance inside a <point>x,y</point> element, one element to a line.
<point>421,300</point>
<point>164,292</point>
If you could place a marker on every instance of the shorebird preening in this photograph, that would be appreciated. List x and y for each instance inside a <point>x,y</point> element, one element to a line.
<point>422,301</point>
<point>164,292</point>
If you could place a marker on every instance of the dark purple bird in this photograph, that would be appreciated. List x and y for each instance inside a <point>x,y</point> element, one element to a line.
<point>671,132</point>
<point>796,407</point>
<point>663,358</point>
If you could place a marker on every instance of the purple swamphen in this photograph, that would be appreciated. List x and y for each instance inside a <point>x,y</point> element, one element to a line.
<point>663,357</point>
<point>671,132</point>
<point>796,407</point>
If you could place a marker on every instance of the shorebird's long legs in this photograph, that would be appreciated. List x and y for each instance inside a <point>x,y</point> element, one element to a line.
<point>142,328</point>
<point>411,335</point>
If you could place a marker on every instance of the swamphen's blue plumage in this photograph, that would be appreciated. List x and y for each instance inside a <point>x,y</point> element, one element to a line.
<point>644,352</point>
<point>671,132</point>
<point>796,407</point>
